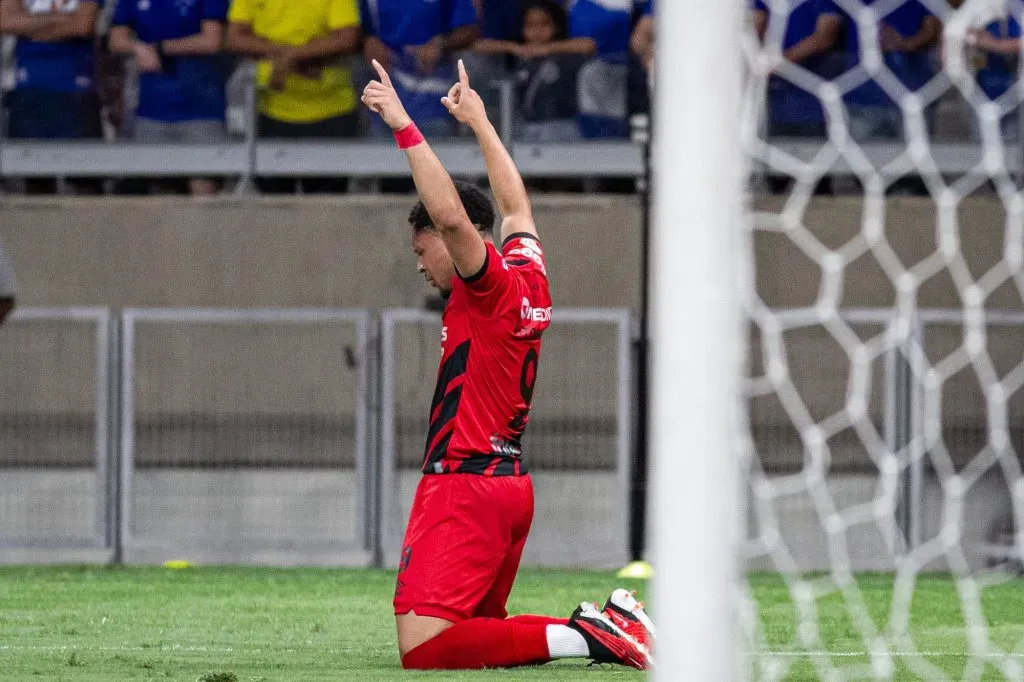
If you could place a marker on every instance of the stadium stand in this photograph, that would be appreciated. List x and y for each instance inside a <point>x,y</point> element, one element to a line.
<point>416,39</point>
<point>908,36</point>
<point>304,92</point>
<point>54,95</point>
<point>539,102</point>
<point>182,80</point>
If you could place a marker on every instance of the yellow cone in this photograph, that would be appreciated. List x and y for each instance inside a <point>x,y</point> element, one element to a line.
<point>177,563</point>
<point>639,570</point>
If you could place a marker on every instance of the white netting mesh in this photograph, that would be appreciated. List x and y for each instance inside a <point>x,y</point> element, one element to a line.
<point>887,358</point>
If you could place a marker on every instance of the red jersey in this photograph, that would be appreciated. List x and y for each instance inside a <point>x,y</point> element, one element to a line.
<point>490,341</point>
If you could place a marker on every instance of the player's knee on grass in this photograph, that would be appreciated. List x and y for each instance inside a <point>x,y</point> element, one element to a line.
<point>414,630</point>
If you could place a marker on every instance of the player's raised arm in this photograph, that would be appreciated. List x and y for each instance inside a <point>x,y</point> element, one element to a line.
<point>466,106</point>
<point>433,183</point>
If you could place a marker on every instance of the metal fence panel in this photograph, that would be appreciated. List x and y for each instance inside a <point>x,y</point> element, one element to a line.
<point>244,436</point>
<point>577,445</point>
<point>972,426</point>
<point>56,496</point>
<point>825,381</point>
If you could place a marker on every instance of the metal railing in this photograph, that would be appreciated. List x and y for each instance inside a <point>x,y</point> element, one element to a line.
<point>241,417</point>
<point>273,425</point>
<point>248,156</point>
<point>267,436</point>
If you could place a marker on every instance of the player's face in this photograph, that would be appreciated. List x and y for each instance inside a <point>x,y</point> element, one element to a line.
<point>433,261</point>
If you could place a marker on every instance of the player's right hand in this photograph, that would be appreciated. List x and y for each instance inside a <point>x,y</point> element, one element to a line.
<point>463,102</point>
<point>382,98</point>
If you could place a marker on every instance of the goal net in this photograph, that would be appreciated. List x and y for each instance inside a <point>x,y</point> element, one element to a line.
<point>877,281</point>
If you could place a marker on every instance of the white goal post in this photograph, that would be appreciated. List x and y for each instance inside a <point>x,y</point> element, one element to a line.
<point>698,184</point>
<point>837,384</point>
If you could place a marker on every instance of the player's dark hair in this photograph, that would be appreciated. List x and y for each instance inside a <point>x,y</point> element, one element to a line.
<point>553,10</point>
<point>477,204</point>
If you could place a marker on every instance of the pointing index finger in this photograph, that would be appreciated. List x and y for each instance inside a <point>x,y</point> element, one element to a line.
<point>463,76</point>
<point>384,77</point>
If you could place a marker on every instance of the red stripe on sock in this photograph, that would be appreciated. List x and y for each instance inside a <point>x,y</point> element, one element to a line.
<point>482,643</point>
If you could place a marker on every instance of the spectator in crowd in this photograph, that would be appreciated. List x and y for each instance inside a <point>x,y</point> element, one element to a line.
<point>907,35</point>
<point>414,40</point>
<point>546,84</point>
<point>307,93</point>
<point>500,20</point>
<point>812,30</point>
<point>999,44</point>
<point>600,29</point>
<point>55,95</point>
<point>181,83</point>
<point>642,40</point>
<point>501,23</point>
<point>8,285</point>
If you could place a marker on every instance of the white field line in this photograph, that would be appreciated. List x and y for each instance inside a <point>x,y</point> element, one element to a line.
<point>228,650</point>
<point>168,647</point>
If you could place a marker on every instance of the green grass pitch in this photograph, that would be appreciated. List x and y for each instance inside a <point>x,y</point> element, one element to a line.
<point>248,624</point>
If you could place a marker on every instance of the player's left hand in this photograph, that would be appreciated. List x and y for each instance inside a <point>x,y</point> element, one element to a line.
<point>463,102</point>
<point>382,98</point>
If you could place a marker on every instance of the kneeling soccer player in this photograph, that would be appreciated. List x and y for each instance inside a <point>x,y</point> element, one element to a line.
<point>474,505</point>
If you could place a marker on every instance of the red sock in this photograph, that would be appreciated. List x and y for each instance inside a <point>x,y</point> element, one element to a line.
<point>482,643</point>
<point>529,619</point>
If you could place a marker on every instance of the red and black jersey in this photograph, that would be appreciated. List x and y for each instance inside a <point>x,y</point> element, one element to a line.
<point>490,341</point>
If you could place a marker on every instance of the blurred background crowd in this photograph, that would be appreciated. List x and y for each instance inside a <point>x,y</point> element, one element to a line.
<point>167,71</point>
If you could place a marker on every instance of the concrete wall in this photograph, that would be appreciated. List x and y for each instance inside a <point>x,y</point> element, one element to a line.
<point>354,252</point>
<point>346,252</point>
<point>788,277</point>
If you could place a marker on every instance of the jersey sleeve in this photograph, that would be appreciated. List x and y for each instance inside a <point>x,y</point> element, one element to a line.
<point>366,19</point>
<point>502,283</point>
<point>828,7</point>
<point>522,251</point>
<point>242,11</point>
<point>123,14</point>
<point>343,14</point>
<point>584,20</point>
<point>463,14</point>
<point>215,10</point>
